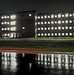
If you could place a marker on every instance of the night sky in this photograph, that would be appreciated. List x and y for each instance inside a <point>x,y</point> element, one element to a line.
<point>39,5</point>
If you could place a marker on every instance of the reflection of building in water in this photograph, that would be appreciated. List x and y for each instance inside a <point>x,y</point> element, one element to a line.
<point>59,61</point>
<point>9,61</point>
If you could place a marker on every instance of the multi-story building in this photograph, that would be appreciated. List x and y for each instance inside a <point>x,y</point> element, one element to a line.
<point>32,24</point>
<point>55,24</point>
<point>18,24</point>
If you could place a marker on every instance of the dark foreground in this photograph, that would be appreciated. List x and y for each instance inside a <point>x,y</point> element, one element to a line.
<point>38,64</point>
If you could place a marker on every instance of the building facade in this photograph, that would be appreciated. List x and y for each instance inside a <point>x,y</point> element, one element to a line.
<point>31,24</point>
<point>18,25</point>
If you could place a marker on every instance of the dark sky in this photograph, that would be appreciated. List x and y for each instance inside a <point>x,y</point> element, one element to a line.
<point>39,5</point>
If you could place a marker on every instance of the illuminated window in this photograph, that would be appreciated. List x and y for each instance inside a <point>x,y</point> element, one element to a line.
<point>62,15</point>
<point>2,23</point>
<point>13,23</point>
<point>52,28</point>
<point>8,22</point>
<point>55,22</point>
<point>66,15</point>
<point>63,28</point>
<point>8,28</point>
<point>38,22</point>
<point>52,16</point>
<point>38,17</point>
<point>45,28</point>
<point>38,34</point>
<point>41,28</point>
<point>70,21</point>
<point>41,17</point>
<point>5,34</point>
<point>70,27</point>
<point>5,28</point>
<point>66,27</point>
<point>62,34</point>
<point>30,14</point>
<point>48,28</point>
<point>66,34</point>
<point>52,34</point>
<point>7,16</point>
<point>45,34</point>
<point>55,28</point>
<point>55,34</point>
<point>59,15</point>
<point>70,15</point>
<point>59,22</point>
<point>66,21</point>
<point>2,28</point>
<point>5,22</point>
<point>55,16</point>
<point>52,22</point>
<point>62,21</point>
<point>41,34</point>
<point>45,16</point>
<point>13,28</point>
<point>13,17</point>
<point>41,22</point>
<point>48,16</point>
<point>48,34</point>
<point>23,27</point>
<point>45,22</point>
<point>70,34</point>
<point>2,17</point>
<point>48,22</point>
<point>59,28</point>
<point>59,34</point>
<point>38,28</point>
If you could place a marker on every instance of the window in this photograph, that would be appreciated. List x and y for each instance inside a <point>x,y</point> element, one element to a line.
<point>59,34</point>
<point>41,22</point>
<point>66,27</point>
<point>13,23</point>
<point>62,21</point>
<point>30,14</point>
<point>2,23</point>
<point>59,22</point>
<point>38,22</point>
<point>45,16</point>
<point>41,28</point>
<point>55,28</point>
<point>70,15</point>
<point>59,28</point>
<point>66,15</point>
<point>45,34</point>
<point>48,28</point>
<point>62,34</point>
<point>70,21</point>
<point>55,22</point>
<point>38,28</point>
<point>66,34</point>
<point>52,28</point>
<point>48,34</point>
<point>41,34</point>
<point>45,28</point>
<point>13,17</point>
<point>55,34</point>
<point>66,21</point>
<point>52,16</point>
<point>55,16</point>
<point>62,15</point>
<point>23,27</point>
<point>52,34</point>
<point>59,15</point>
<point>45,22</point>
<point>2,28</point>
<point>52,22</point>
<point>38,17</point>
<point>70,27</point>
<point>48,16</point>
<point>48,22</point>
<point>63,28</point>
<point>8,28</point>
<point>70,34</point>
<point>41,17</point>
<point>13,28</point>
<point>2,17</point>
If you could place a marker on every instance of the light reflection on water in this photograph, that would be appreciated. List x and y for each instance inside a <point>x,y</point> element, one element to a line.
<point>38,64</point>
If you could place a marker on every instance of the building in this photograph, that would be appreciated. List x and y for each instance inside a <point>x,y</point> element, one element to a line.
<point>18,24</point>
<point>33,24</point>
<point>55,24</point>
